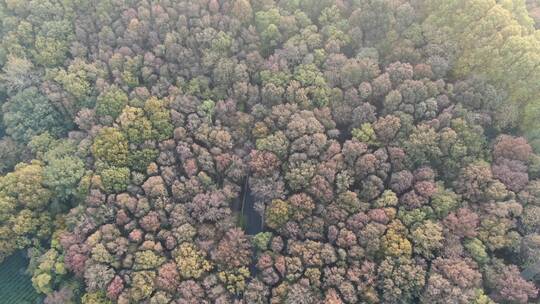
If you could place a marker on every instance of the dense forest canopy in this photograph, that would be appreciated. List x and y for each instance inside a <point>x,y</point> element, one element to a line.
<point>266,151</point>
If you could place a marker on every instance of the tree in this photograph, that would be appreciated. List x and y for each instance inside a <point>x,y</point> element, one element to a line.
<point>451,280</point>
<point>462,223</point>
<point>277,214</point>
<point>49,271</point>
<point>474,180</point>
<point>509,286</point>
<point>29,113</point>
<point>111,102</point>
<point>115,288</point>
<point>422,145</point>
<point>515,148</point>
<point>167,278</point>
<point>394,242</point>
<point>10,153</point>
<point>24,201</point>
<point>191,261</point>
<point>115,179</point>
<point>234,250</point>
<point>63,175</point>
<point>111,146</point>
<point>160,118</point>
<point>365,134</point>
<point>97,277</point>
<point>235,280</point>
<point>77,82</point>
<point>52,42</point>
<point>477,250</point>
<point>242,10</point>
<point>401,279</point>
<point>211,207</point>
<point>142,285</point>
<point>147,260</point>
<point>427,239</point>
<point>135,125</point>
<point>18,74</point>
<point>530,247</point>
<point>63,295</point>
<point>97,297</point>
<point>501,35</point>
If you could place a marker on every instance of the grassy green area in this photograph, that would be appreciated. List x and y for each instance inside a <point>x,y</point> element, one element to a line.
<point>15,284</point>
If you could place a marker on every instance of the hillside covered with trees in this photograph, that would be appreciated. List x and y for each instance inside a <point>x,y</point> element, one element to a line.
<point>267,151</point>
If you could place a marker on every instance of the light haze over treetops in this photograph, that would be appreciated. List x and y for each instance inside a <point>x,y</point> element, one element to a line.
<point>352,151</point>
